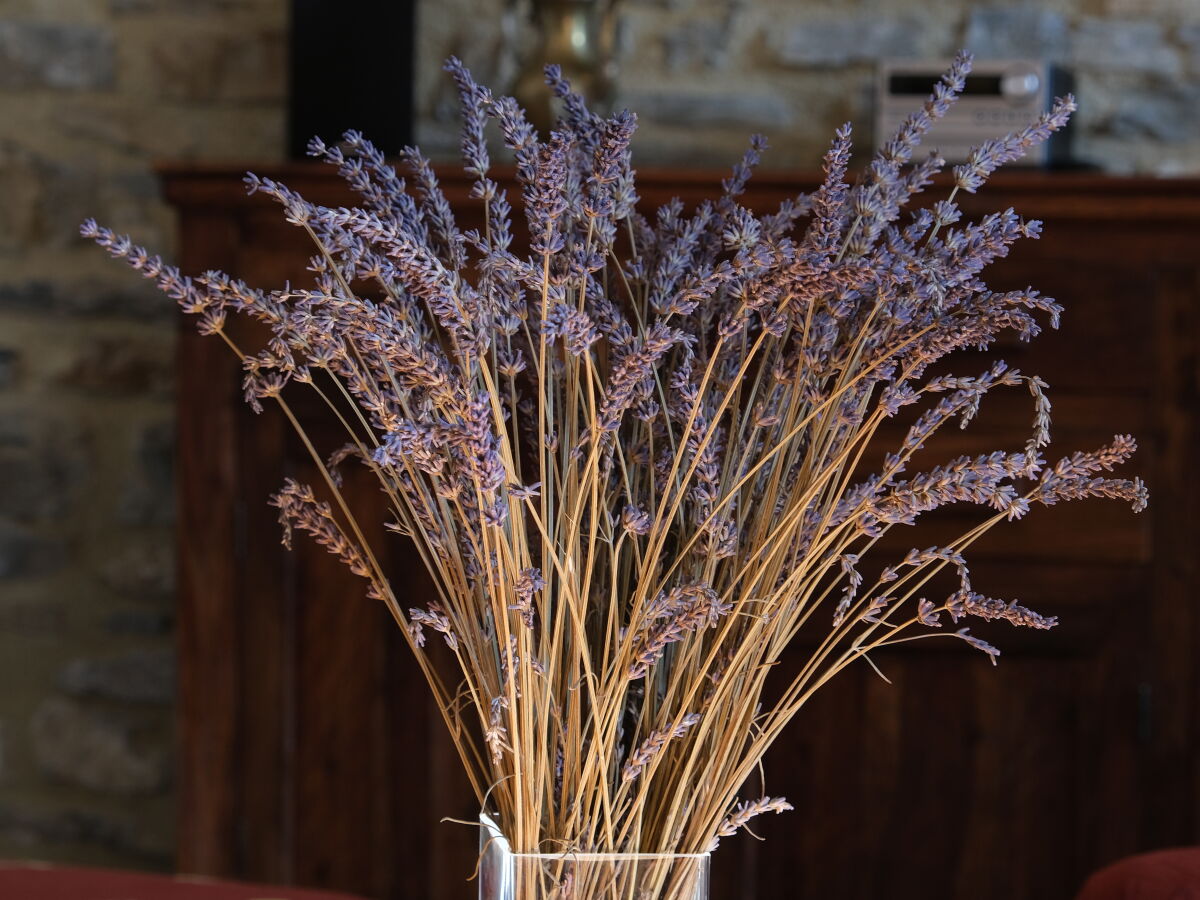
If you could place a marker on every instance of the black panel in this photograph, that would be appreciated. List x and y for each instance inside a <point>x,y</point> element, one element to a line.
<point>351,67</point>
<point>922,85</point>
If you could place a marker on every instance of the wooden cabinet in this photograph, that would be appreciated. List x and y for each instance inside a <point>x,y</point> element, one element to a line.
<point>309,751</point>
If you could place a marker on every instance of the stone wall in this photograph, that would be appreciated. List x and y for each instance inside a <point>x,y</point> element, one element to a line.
<point>703,74</point>
<point>93,91</point>
<point>91,94</point>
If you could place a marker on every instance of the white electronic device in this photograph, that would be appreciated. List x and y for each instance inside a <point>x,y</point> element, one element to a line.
<point>1000,96</point>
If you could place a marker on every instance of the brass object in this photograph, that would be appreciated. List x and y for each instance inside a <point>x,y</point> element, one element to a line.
<point>578,36</point>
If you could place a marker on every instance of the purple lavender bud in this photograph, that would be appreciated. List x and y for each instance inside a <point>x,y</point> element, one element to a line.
<point>736,183</point>
<point>989,156</point>
<point>475,101</point>
<point>610,162</point>
<point>528,583</point>
<point>635,520</point>
<point>572,326</point>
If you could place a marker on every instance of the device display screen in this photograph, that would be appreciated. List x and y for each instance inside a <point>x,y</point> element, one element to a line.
<point>922,85</point>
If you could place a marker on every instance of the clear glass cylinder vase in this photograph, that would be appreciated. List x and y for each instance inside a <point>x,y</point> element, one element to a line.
<point>505,875</point>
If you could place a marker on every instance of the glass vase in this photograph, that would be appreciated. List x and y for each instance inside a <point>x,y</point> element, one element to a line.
<point>505,875</point>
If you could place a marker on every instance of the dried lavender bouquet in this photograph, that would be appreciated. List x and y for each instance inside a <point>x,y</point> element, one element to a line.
<point>633,457</point>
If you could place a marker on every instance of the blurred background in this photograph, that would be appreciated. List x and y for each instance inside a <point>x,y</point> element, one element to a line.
<point>95,93</point>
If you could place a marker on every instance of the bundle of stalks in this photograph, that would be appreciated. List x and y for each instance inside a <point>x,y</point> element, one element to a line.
<point>634,457</point>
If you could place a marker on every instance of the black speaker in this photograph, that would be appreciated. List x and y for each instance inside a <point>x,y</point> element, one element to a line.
<point>351,67</point>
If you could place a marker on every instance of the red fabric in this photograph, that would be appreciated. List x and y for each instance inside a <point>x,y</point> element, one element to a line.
<point>1162,875</point>
<point>37,881</point>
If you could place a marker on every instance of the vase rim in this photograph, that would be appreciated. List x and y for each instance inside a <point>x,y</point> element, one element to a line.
<point>570,854</point>
<point>489,823</point>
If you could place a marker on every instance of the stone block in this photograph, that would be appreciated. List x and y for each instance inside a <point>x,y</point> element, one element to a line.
<point>39,486</point>
<point>1125,46</point>
<point>136,299</point>
<point>44,461</point>
<point>139,676</point>
<point>43,617</point>
<point>20,185</point>
<point>121,366</point>
<point>47,198</point>
<point>847,40</point>
<point>138,622</point>
<point>71,193</point>
<point>55,55</point>
<point>225,66</point>
<point>190,7</point>
<point>148,495</point>
<point>24,553</point>
<point>1189,37</point>
<point>33,427</point>
<point>31,827</point>
<point>746,109</point>
<point>1164,113</point>
<point>9,367</point>
<point>80,746</point>
<point>15,430</point>
<point>143,571</point>
<point>702,44</point>
<point>1006,32</point>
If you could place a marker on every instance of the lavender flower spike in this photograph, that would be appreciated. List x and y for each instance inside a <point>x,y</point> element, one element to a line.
<point>990,155</point>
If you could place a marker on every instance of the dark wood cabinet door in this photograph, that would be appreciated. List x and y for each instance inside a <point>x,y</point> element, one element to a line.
<point>310,750</point>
